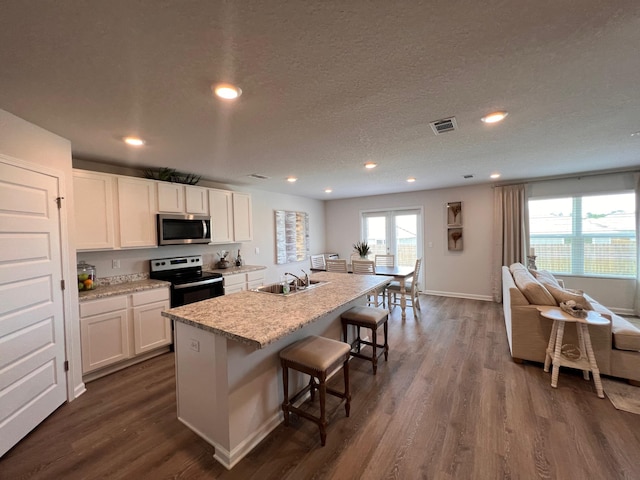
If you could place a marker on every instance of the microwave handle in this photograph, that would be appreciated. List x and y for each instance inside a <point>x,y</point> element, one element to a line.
<point>204,229</point>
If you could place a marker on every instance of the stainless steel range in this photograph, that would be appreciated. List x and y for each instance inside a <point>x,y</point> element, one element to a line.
<point>189,283</point>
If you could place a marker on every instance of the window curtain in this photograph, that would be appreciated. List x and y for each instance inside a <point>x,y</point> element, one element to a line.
<point>510,231</point>
<point>636,306</point>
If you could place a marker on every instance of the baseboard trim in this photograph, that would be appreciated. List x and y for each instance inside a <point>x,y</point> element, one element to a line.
<point>469,296</point>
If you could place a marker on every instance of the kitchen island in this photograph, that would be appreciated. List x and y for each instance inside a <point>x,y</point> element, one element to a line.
<point>228,376</point>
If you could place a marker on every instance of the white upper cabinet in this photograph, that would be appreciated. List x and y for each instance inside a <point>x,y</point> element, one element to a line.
<point>180,198</point>
<point>137,210</point>
<point>197,200</point>
<point>221,208</point>
<point>170,197</point>
<point>94,211</point>
<point>242,217</point>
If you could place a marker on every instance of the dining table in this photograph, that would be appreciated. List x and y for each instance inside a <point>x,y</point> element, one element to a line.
<point>400,273</point>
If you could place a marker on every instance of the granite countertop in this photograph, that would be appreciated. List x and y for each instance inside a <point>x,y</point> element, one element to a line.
<point>124,288</point>
<point>258,319</point>
<point>234,270</point>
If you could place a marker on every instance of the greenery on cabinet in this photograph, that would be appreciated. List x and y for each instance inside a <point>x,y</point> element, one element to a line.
<point>166,174</point>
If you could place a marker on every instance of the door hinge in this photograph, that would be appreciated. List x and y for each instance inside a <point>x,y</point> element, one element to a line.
<point>59,201</point>
<point>62,286</point>
<point>66,365</point>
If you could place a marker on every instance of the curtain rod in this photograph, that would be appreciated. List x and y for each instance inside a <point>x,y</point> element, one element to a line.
<point>577,176</point>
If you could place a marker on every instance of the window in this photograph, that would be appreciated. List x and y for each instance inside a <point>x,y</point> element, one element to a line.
<point>585,235</point>
<point>395,232</point>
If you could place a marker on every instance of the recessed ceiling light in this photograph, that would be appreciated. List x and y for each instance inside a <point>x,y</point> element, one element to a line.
<point>370,165</point>
<point>328,190</point>
<point>635,134</point>
<point>292,179</point>
<point>226,91</point>
<point>411,179</point>
<point>494,117</point>
<point>134,141</point>
<point>495,175</point>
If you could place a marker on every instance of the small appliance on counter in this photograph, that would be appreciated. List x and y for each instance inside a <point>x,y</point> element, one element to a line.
<point>86,276</point>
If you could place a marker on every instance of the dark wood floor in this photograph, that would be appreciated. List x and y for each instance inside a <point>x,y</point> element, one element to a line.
<point>449,404</point>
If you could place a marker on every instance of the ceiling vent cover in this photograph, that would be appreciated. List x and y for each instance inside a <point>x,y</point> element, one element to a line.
<point>258,176</point>
<point>444,125</point>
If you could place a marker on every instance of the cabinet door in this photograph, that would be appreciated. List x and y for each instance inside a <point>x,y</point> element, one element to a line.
<point>137,209</point>
<point>150,329</point>
<point>221,208</point>
<point>105,340</point>
<point>170,197</point>
<point>93,207</point>
<point>242,220</point>
<point>197,200</point>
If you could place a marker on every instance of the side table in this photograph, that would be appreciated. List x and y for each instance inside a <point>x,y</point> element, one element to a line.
<point>584,358</point>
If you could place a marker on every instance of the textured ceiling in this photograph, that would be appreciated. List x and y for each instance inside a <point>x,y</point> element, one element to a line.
<point>330,85</point>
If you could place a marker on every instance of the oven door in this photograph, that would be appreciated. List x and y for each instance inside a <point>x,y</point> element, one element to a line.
<point>195,292</point>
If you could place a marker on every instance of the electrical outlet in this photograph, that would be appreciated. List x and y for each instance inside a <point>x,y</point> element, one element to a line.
<point>257,250</point>
<point>194,345</point>
<point>115,263</point>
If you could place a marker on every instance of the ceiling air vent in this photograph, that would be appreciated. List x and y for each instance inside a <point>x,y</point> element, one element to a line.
<point>444,125</point>
<point>258,176</point>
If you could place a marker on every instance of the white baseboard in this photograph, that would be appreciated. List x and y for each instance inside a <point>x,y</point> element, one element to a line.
<point>470,296</point>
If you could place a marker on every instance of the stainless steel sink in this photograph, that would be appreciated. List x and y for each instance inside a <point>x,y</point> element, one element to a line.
<point>294,287</point>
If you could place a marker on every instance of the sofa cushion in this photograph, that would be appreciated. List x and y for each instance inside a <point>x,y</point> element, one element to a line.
<point>531,288</point>
<point>626,335</point>
<point>545,276</point>
<point>564,295</point>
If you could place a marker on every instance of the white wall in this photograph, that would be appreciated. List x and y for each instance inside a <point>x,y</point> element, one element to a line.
<point>263,203</point>
<point>32,144</point>
<point>461,274</point>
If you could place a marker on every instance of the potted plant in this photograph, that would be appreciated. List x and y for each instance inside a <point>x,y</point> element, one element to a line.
<point>362,248</point>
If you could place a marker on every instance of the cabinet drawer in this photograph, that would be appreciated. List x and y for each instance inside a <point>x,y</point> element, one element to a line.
<point>104,305</point>
<point>237,279</point>
<point>149,296</point>
<point>254,276</point>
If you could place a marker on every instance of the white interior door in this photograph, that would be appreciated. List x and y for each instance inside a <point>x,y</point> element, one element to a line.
<point>32,354</point>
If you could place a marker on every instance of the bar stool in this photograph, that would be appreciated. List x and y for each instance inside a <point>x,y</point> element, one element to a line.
<point>371,318</point>
<point>317,357</point>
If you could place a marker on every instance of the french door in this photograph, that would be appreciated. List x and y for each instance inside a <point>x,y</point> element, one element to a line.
<point>398,232</point>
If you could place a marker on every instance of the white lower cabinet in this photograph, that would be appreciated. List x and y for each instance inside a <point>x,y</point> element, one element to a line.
<point>150,329</point>
<point>239,282</point>
<point>114,330</point>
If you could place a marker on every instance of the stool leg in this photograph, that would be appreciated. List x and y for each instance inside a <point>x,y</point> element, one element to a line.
<point>374,342</point>
<point>345,332</point>
<point>285,385</point>
<point>312,388</point>
<point>358,338</point>
<point>386,343</point>
<point>323,421</point>
<point>556,356</point>
<point>347,393</point>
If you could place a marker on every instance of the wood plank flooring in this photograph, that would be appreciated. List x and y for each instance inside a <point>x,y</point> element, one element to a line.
<point>449,404</point>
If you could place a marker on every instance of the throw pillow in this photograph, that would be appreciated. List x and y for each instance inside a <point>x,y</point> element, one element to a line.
<point>563,295</point>
<point>532,289</point>
<point>545,276</point>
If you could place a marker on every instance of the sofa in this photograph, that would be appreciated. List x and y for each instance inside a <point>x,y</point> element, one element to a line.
<point>616,346</point>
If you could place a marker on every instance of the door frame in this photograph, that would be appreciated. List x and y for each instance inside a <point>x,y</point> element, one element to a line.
<point>71,321</point>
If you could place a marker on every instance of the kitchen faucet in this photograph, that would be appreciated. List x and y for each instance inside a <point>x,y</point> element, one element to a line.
<point>301,283</point>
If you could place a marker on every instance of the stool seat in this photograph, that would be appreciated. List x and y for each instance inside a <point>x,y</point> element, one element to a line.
<point>316,353</point>
<point>371,318</point>
<point>366,316</point>
<point>317,357</point>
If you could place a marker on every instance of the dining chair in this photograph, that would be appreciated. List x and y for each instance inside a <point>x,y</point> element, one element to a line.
<point>385,260</point>
<point>368,267</point>
<point>339,265</point>
<point>411,288</point>
<point>317,261</point>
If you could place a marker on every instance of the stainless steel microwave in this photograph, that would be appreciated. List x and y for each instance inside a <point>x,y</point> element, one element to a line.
<point>183,229</point>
